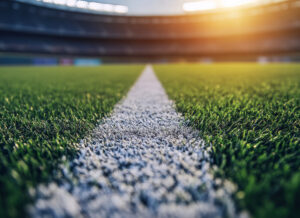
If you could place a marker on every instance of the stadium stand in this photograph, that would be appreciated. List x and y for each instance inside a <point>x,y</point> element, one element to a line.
<point>257,30</point>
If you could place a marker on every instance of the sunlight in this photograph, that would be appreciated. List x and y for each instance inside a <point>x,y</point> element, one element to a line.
<point>234,3</point>
<point>204,5</point>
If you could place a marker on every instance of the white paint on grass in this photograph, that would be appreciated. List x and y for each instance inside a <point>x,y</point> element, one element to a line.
<point>142,161</point>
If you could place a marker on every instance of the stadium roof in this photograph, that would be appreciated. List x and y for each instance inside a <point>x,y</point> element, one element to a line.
<point>146,7</point>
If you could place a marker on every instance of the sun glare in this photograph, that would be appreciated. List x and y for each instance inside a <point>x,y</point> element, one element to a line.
<point>205,5</point>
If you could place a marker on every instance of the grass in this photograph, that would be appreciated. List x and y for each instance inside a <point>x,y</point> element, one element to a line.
<point>43,113</point>
<point>250,113</point>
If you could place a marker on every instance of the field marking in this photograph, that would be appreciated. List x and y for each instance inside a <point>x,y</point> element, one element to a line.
<point>142,161</point>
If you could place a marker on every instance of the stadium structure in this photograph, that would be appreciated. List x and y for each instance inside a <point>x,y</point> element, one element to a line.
<point>109,32</point>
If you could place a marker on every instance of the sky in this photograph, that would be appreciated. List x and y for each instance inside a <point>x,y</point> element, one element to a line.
<point>135,7</point>
<point>145,7</point>
<point>158,7</point>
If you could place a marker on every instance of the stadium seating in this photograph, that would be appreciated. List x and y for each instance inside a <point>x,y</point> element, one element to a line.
<point>260,30</point>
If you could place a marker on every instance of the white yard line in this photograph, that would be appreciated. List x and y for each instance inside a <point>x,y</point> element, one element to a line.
<point>142,161</point>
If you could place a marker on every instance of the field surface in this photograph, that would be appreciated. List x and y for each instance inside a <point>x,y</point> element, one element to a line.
<point>141,161</point>
<point>250,114</point>
<point>43,114</point>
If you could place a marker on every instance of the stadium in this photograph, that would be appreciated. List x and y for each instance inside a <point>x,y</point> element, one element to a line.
<point>255,32</point>
<point>162,108</point>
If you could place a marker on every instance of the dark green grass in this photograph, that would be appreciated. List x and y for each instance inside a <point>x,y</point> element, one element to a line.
<point>43,112</point>
<point>250,113</point>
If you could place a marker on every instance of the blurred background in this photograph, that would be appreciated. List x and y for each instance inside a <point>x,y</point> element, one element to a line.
<point>92,32</point>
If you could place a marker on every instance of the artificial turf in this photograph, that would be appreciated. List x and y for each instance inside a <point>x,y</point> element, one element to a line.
<point>250,114</point>
<point>44,111</point>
